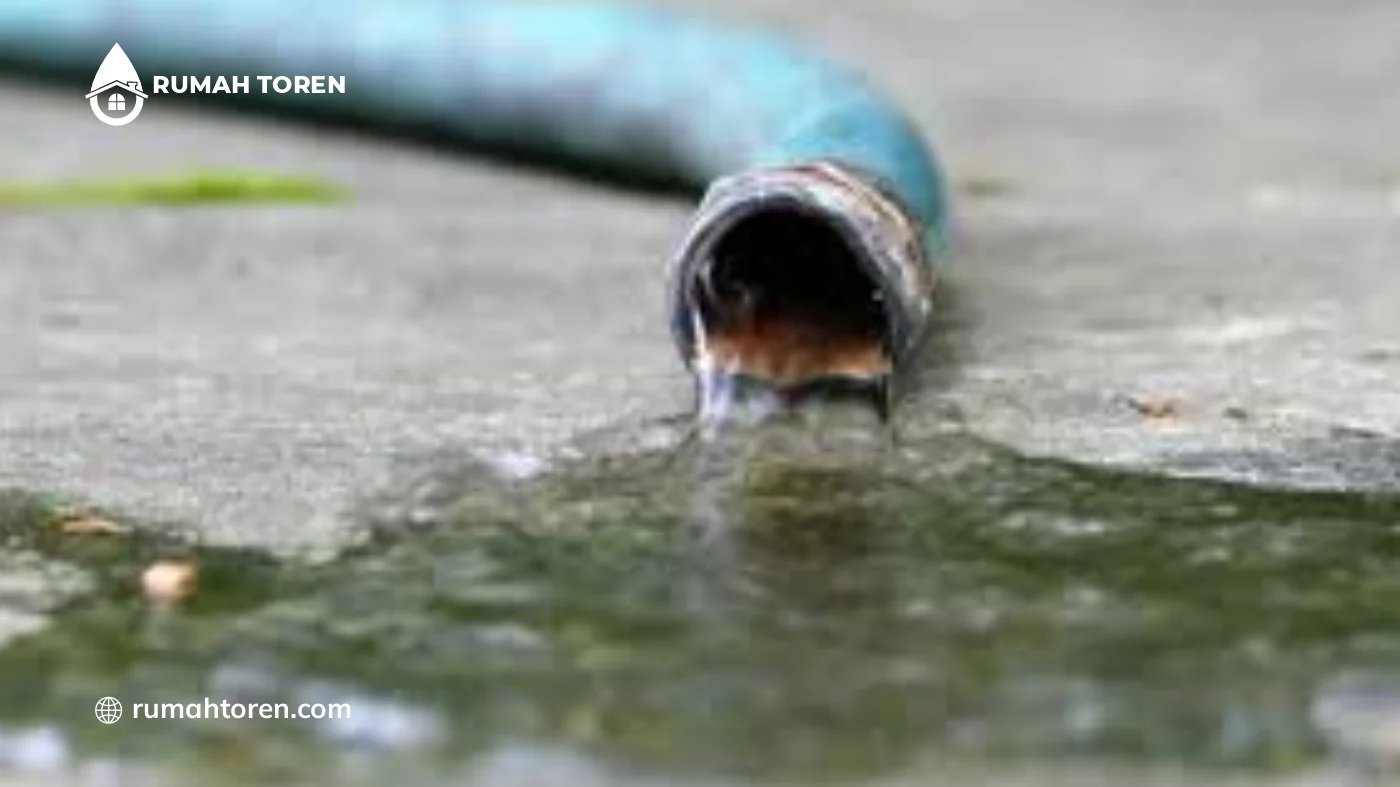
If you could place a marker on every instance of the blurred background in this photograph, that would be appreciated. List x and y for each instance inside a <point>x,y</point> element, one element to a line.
<point>427,447</point>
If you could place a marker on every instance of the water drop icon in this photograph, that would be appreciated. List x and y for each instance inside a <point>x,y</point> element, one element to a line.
<point>117,95</point>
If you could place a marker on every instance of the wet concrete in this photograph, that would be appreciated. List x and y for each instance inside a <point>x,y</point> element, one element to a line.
<point>746,613</point>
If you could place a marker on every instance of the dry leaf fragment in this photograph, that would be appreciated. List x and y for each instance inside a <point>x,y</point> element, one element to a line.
<point>89,524</point>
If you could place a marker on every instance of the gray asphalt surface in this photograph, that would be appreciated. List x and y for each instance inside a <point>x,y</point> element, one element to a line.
<point>1196,202</point>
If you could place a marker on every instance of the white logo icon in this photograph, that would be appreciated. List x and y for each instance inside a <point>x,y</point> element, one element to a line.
<point>109,710</point>
<point>116,98</point>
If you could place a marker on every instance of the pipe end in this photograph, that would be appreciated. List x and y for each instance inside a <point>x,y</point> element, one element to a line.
<point>803,280</point>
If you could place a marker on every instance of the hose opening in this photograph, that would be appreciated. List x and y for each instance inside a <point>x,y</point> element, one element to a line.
<point>783,298</point>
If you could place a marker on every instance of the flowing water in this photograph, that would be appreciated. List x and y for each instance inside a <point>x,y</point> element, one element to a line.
<point>793,606</point>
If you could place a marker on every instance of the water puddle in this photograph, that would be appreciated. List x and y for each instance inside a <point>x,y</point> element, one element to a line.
<point>804,606</point>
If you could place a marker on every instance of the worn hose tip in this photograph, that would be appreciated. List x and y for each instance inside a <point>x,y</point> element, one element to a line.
<point>806,282</point>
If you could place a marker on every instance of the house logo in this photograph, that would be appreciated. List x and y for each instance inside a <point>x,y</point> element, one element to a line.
<point>116,96</point>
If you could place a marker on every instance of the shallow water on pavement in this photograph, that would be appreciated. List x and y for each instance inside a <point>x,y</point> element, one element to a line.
<point>803,606</point>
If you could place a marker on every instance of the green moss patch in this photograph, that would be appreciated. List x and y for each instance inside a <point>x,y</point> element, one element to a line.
<point>186,189</point>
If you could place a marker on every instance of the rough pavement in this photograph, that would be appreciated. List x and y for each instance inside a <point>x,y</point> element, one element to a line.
<point>1194,208</point>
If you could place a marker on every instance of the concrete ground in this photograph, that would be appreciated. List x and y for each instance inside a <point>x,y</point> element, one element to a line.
<point>1191,209</point>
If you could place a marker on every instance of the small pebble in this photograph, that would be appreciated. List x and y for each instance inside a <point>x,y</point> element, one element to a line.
<point>169,581</point>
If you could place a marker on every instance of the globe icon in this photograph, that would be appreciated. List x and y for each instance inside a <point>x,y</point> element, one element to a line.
<point>108,710</point>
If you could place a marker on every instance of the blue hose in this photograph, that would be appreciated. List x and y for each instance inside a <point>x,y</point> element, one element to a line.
<point>635,91</point>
